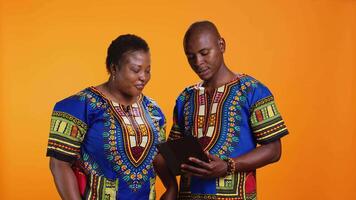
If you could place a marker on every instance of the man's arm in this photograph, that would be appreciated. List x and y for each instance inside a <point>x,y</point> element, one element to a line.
<point>259,157</point>
<point>168,179</point>
<point>64,179</point>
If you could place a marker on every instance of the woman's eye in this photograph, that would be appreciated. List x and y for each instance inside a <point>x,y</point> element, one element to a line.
<point>136,70</point>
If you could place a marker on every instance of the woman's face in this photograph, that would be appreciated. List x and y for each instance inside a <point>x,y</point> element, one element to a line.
<point>133,73</point>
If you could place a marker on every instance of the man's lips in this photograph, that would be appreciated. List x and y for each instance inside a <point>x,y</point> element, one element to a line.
<point>203,71</point>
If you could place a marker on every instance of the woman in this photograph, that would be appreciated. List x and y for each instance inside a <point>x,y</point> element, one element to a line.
<point>103,139</point>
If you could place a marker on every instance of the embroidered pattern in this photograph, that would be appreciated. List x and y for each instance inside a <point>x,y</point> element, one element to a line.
<point>237,97</point>
<point>107,187</point>
<point>238,186</point>
<point>127,141</point>
<point>152,195</point>
<point>239,114</point>
<point>206,115</point>
<point>266,121</point>
<point>137,134</point>
<point>66,135</point>
<point>134,176</point>
<point>122,133</point>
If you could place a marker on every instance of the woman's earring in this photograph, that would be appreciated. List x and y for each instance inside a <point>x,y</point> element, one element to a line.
<point>113,77</point>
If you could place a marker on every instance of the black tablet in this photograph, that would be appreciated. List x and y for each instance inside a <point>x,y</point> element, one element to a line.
<point>177,152</point>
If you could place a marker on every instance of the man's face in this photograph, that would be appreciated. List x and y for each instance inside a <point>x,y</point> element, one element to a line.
<point>204,51</point>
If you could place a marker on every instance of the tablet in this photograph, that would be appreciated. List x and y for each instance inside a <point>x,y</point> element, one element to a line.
<point>177,152</point>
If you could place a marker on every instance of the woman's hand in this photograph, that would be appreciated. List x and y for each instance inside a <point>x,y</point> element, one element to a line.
<point>170,194</point>
<point>212,169</point>
<point>168,179</point>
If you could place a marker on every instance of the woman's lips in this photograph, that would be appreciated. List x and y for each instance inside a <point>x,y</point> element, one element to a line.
<point>140,86</point>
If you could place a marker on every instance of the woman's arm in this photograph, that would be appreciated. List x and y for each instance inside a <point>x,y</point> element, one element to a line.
<point>64,179</point>
<point>168,179</point>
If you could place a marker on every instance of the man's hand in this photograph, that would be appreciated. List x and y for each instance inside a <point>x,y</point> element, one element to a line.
<point>212,169</point>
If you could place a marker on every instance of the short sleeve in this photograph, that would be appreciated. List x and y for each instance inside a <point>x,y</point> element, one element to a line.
<point>177,130</point>
<point>266,121</point>
<point>67,130</point>
<point>158,118</point>
<point>162,134</point>
<point>162,126</point>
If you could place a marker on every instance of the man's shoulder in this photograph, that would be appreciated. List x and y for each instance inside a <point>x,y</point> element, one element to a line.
<point>187,92</point>
<point>244,78</point>
<point>189,89</point>
<point>246,81</point>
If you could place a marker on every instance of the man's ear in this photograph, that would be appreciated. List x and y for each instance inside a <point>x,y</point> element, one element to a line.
<point>222,45</point>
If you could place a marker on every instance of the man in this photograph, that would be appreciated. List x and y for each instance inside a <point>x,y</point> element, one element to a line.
<point>229,114</point>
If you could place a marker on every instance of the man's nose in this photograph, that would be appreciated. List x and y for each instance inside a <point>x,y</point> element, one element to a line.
<point>198,60</point>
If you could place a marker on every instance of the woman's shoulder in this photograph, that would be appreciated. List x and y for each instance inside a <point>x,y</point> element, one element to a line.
<point>74,98</point>
<point>149,101</point>
<point>152,106</point>
<point>80,99</point>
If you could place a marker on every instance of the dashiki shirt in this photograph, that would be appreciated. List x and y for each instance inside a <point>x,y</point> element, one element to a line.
<point>113,144</point>
<point>239,115</point>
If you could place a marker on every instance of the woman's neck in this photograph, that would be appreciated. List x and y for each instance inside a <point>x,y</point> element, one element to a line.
<point>118,96</point>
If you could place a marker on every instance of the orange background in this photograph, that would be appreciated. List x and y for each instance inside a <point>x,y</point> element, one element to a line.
<point>304,51</point>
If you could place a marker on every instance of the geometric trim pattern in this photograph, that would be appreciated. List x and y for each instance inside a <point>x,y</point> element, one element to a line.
<point>137,134</point>
<point>206,115</point>
<point>99,187</point>
<point>266,121</point>
<point>66,135</point>
<point>242,109</point>
<point>238,186</point>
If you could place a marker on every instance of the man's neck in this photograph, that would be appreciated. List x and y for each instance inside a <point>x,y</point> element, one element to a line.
<point>221,77</point>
